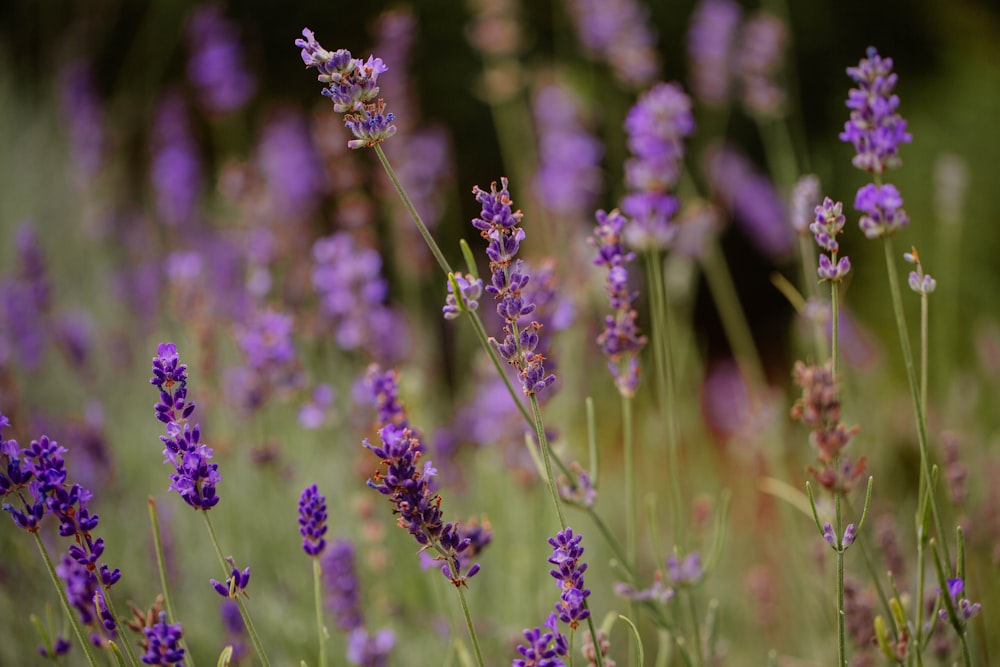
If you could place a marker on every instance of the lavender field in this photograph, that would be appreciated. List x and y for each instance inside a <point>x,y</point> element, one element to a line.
<point>575,333</point>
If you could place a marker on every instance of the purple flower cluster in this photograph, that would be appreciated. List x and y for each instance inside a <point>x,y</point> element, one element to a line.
<point>619,32</point>
<point>343,598</point>
<point>195,477</point>
<point>312,520</point>
<point>217,66</point>
<point>963,608</point>
<point>569,176</point>
<point>826,227</point>
<point>407,485</point>
<point>710,41</point>
<point>498,224</point>
<point>920,282</point>
<point>882,209</point>
<point>175,169</point>
<point>758,57</point>
<point>83,116</point>
<point>290,165</point>
<point>381,388</point>
<point>270,362</point>
<point>620,341</point>
<point>235,584</point>
<point>874,127</point>
<point>568,571</point>
<point>25,300</point>
<point>686,570</point>
<point>656,127</point>
<point>351,85</point>
<point>352,291</point>
<point>543,647</point>
<point>163,644</point>
<point>470,289</point>
<point>751,201</point>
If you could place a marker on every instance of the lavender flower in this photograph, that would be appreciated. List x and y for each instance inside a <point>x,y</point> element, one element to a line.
<point>620,340</point>
<point>498,224</point>
<point>83,116</point>
<point>217,66</point>
<point>804,200</point>
<point>352,88</point>
<point>965,609</point>
<point>290,165</point>
<point>710,40</point>
<point>685,570</point>
<point>270,363</point>
<point>313,414</point>
<point>759,56</point>
<point>566,555</point>
<point>382,390</point>
<point>175,170</point>
<point>618,32</point>
<point>469,291</point>
<point>312,520</point>
<point>656,127</point>
<point>920,282</point>
<point>235,583</point>
<point>369,650</point>
<point>569,174</point>
<point>163,644</point>
<point>543,647</point>
<point>408,487</point>
<point>882,207</point>
<point>342,585</point>
<point>875,129</point>
<point>827,226</point>
<point>195,477</point>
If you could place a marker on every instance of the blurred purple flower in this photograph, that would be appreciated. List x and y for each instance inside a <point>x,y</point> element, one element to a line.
<point>759,56</point>
<point>367,650</point>
<point>804,200</point>
<point>619,33</point>
<point>217,67</point>
<point>313,414</point>
<point>343,598</point>
<point>710,45</point>
<point>290,165</point>
<point>175,170</point>
<point>83,116</point>
<point>751,201</point>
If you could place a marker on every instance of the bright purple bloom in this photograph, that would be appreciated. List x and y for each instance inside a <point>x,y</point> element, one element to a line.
<point>195,477</point>
<point>312,520</point>
<point>618,32</point>
<point>498,224</point>
<point>218,67</point>
<point>569,175</point>
<point>568,571</point>
<point>620,340</point>
<point>963,607</point>
<point>352,87</point>
<point>164,644</point>
<point>875,129</point>
<point>882,207</point>
<point>235,583</point>
<point>543,647</point>
<point>751,200</point>
<point>710,41</point>
<point>656,127</point>
<point>758,58</point>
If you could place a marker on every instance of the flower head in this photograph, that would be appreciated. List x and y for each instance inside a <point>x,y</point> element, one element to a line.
<point>467,296</point>
<point>829,223</point>
<point>312,520</point>
<point>163,644</point>
<point>882,207</point>
<point>710,40</point>
<point>543,647</point>
<point>568,571</point>
<point>875,129</point>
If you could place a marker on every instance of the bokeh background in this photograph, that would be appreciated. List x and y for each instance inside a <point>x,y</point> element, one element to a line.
<point>83,92</point>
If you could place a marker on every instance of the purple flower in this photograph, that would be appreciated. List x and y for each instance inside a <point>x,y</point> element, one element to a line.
<point>804,200</point>
<point>882,207</point>
<point>175,169</point>
<point>963,607</point>
<point>217,67</point>
<point>83,116</point>
<point>351,85</point>
<point>60,648</point>
<point>568,571</point>
<point>382,391</point>
<point>469,291</point>
<point>620,340</point>
<point>920,282</point>
<point>235,583</point>
<point>751,200</point>
<point>312,520</point>
<point>342,585</point>
<point>290,165</point>
<point>569,175</point>
<point>710,41</point>
<point>367,650</point>
<point>686,570</point>
<point>618,32</point>
<point>759,56</point>
<point>312,415</point>
<point>195,477</point>
<point>163,646</point>
<point>875,129</point>
<point>656,127</point>
<point>498,224</point>
<point>829,223</point>
<point>270,363</point>
<point>543,647</point>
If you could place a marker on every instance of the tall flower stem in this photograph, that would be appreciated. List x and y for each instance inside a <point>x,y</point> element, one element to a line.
<point>247,621</point>
<point>841,630</point>
<point>111,610</point>
<point>318,598</point>
<point>630,488</point>
<point>161,565</point>
<point>70,613</point>
<point>543,445</point>
<point>465,610</point>
<point>911,376</point>
<point>665,384</point>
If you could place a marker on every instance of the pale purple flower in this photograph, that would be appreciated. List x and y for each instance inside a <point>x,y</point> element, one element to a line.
<point>369,650</point>
<point>175,169</point>
<point>217,67</point>
<point>882,207</point>
<point>710,44</point>
<point>805,198</point>
<point>290,164</point>
<point>686,570</point>
<point>313,414</point>
<point>875,128</point>
<point>83,116</point>
<point>467,298</point>
<point>759,57</point>
<point>920,282</point>
<point>340,578</point>
<point>619,33</point>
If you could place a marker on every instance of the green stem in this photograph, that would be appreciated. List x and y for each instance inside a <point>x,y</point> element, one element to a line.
<point>251,630</point>
<point>834,327</point>
<point>543,445</point>
<point>665,385</point>
<point>841,632</point>
<point>468,623</point>
<point>734,322</point>
<point>161,565</point>
<point>70,612</point>
<point>807,254</point>
<point>318,597</point>
<point>695,632</point>
<point>911,376</point>
<point>630,487</point>
<point>125,642</point>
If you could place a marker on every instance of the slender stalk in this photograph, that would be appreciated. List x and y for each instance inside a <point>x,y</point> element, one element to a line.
<point>841,631</point>
<point>734,322</point>
<point>807,253</point>
<point>911,376</point>
<point>472,629</point>
<point>125,642</point>
<point>695,632</point>
<point>630,487</point>
<point>665,385</point>
<point>543,444</point>
<point>247,621</point>
<point>70,613</point>
<point>161,565</point>
<point>318,597</point>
